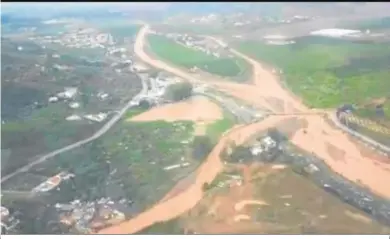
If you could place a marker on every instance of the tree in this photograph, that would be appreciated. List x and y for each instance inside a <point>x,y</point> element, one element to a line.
<point>202,146</point>
<point>179,91</point>
<point>144,104</point>
<point>276,135</point>
<point>241,153</point>
<point>205,187</point>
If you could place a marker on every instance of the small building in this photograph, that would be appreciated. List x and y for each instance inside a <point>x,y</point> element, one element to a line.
<point>69,93</point>
<point>74,105</point>
<point>97,118</point>
<point>73,118</point>
<point>335,32</point>
<point>53,99</point>
<point>4,212</point>
<point>257,148</point>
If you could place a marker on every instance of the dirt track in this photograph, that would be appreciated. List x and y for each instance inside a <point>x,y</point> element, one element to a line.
<point>319,135</point>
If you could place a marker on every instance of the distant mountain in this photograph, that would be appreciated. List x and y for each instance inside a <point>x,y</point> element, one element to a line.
<point>219,7</point>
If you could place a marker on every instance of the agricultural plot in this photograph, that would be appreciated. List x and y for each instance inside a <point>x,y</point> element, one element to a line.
<point>328,72</point>
<point>120,29</point>
<point>186,57</point>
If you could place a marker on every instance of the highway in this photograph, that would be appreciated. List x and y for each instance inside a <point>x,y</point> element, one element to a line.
<point>96,135</point>
<point>356,134</point>
<point>243,114</point>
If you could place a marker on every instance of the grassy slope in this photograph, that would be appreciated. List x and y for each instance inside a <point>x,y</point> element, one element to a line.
<point>216,129</point>
<point>129,149</point>
<point>325,72</point>
<point>186,57</point>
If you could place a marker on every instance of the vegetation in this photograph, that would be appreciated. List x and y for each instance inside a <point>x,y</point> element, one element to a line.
<point>189,58</point>
<point>239,154</point>
<point>33,126</point>
<point>202,146</point>
<point>216,129</point>
<point>129,158</point>
<point>179,91</point>
<point>120,29</point>
<point>328,72</point>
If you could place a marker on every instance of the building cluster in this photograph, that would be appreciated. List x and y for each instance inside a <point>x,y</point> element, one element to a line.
<point>204,45</point>
<point>277,40</point>
<point>7,221</point>
<point>69,94</point>
<point>86,217</point>
<point>78,38</point>
<point>205,19</point>
<point>154,89</point>
<point>267,148</point>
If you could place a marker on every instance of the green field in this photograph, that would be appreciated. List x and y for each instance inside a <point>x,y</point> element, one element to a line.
<point>216,129</point>
<point>186,57</point>
<point>120,30</point>
<point>328,72</point>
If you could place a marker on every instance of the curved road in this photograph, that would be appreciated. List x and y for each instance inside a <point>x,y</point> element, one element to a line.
<point>316,138</point>
<point>96,135</point>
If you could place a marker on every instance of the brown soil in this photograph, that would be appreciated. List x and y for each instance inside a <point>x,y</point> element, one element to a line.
<point>195,109</point>
<point>315,138</point>
<point>198,109</point>
<point>282,203</point>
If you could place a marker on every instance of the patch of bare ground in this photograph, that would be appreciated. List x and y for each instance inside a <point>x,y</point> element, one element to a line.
<point>276,201</point>
<point>198,109</point>
<point>195,109</point>
<point>369,152</point>
<point>276,103</point>
<point>336,153</point>
<point>291,126</point>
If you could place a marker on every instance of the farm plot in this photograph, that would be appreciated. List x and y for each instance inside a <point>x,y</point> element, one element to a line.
<point>328,72</point>
<point>186,57</point>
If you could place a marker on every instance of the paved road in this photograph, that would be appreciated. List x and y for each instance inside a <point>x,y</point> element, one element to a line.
<point>96,135</point>
<point>362,137</point>
<point>243,114</point>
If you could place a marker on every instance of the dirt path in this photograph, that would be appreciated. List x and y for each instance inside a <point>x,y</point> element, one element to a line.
<point>319,134</point>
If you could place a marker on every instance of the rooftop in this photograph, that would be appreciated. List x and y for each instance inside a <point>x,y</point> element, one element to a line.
<point>4,212</point>
<point>335,32</point>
